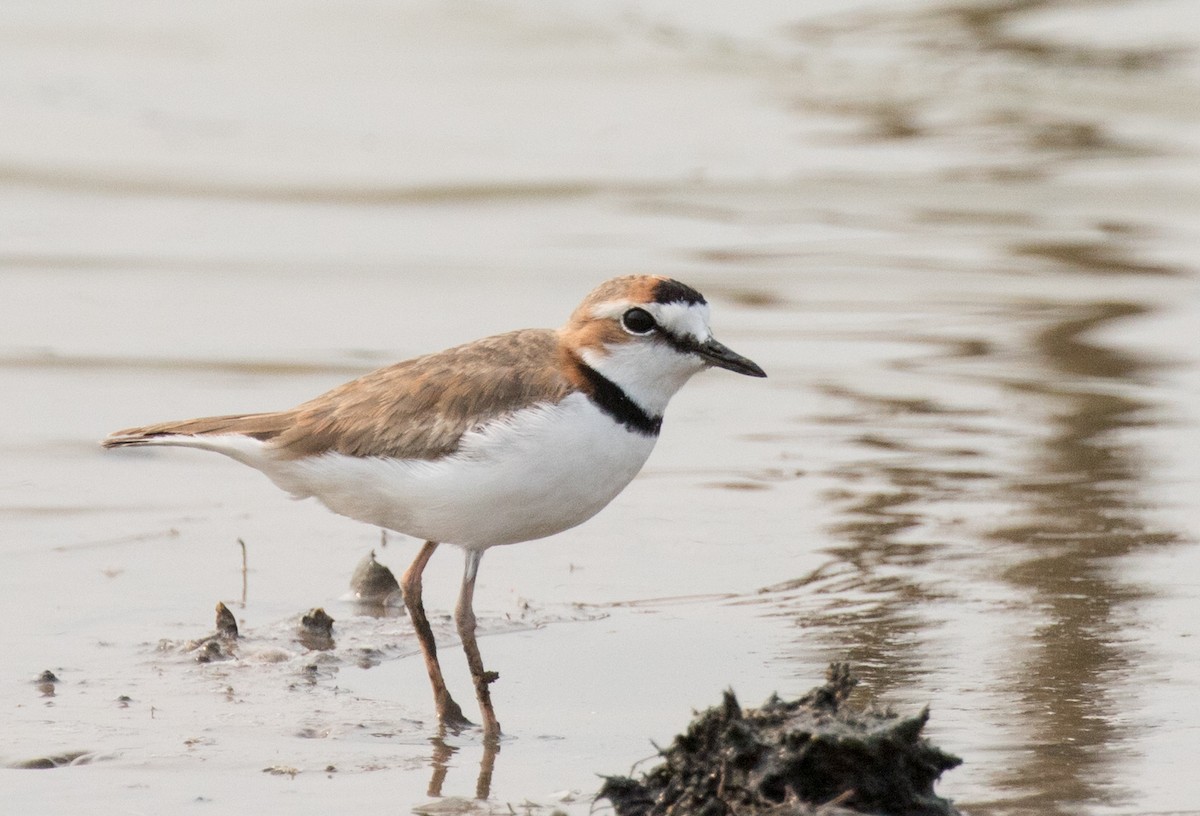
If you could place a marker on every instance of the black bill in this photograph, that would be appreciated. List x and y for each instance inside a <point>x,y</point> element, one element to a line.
<point>721,356</point>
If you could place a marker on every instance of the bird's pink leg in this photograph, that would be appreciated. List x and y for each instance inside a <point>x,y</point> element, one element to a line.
<point>449,712</point>
<point>464,617</point>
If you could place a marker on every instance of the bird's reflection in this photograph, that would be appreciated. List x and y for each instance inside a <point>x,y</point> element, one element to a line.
<point>440,761</point>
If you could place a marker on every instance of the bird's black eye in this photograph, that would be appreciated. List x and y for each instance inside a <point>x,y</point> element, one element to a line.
<point>638,321</point>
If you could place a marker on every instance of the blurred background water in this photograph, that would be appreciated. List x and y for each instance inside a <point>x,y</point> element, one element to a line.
<point>962,238</point>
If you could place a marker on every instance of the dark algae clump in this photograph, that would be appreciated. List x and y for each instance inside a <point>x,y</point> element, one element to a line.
<point>316,630</point>
<point>221,644</point>
<point>792,757</point>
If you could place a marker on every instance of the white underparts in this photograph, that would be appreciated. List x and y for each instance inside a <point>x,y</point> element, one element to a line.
<point>537,472</point>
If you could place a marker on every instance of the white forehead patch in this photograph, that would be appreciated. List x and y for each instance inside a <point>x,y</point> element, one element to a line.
<point>677,318</point>
<point>682,319</point>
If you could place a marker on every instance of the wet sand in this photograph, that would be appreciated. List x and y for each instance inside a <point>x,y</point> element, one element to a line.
<point>961,240</point>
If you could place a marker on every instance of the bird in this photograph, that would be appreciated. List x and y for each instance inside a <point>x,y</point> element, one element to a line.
<point>502,440</point>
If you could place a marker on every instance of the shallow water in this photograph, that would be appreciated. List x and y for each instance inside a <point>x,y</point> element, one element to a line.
<point>961,239</point>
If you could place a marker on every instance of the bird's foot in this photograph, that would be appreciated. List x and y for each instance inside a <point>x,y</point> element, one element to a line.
<point>450,715</point>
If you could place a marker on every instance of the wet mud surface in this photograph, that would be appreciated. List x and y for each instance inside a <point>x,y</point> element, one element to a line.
<point>961,236</point>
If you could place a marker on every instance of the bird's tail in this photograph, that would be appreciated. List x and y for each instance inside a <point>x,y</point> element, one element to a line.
<point>210,433</point>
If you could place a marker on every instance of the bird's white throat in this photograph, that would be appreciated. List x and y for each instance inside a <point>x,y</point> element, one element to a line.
<point>648,373</point>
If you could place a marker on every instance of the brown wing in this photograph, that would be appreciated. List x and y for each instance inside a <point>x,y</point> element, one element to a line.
<point>417,409</point>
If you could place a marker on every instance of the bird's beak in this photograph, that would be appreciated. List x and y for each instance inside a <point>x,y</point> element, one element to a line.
<point>721,356</point>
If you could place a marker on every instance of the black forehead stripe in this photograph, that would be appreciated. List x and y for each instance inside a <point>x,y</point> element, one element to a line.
<point>672,291</point>
<point>612,400</point>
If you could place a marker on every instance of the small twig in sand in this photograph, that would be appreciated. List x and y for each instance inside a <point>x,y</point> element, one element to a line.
<point>245,571</point>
